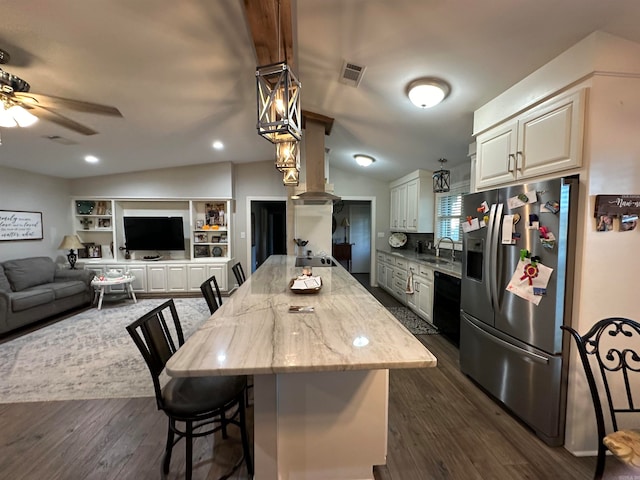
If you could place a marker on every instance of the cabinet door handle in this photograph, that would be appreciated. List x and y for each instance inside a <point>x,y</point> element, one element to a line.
<point>512,162</point>
<point>519,161</point>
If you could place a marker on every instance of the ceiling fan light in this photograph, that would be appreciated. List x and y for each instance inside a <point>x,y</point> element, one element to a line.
<point>427,92</point>
<point>21,116</point>
<point>6,119</point>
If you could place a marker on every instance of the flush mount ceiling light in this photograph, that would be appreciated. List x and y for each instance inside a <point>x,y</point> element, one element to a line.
<point>442,178</point>
<point>91,159</point>
<point>217,145</point>
<point>427,92</point>
<point>364,160</point>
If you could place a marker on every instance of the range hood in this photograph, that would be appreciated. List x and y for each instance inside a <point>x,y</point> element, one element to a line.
<point>316,126</point>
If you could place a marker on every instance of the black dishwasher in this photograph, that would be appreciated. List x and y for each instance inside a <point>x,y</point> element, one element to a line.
<point>446,306</point>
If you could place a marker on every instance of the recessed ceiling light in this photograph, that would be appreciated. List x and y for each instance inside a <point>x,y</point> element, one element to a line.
<point>364,160</point>
<point>91,159</point>
<point>427,92</point>
<point>218,145</point>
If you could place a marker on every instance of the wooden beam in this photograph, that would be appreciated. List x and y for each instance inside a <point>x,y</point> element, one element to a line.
<point>318,117</point>
<point>264,17</point>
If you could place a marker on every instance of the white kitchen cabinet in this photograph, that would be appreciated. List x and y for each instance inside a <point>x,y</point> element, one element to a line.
<point>220,271</point>
<point>156,278</point>
<point>412,203</point>
<point>545,139</point>
<point>140,282</point>
<point>424,298</point>
<point>176,278</point>
<point>196,274</point>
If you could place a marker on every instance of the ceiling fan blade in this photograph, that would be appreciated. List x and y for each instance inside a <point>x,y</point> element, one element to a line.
<point>49,101</point>
<point>46,114</point>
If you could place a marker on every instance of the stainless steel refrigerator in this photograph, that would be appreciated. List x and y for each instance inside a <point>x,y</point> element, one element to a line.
<point>511,347</point>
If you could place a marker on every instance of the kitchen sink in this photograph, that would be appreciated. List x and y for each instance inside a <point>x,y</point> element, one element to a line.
<point>315,262</point>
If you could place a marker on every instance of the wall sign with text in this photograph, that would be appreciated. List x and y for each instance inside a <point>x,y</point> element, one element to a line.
<point>16,225</point>
<point>625,207</point>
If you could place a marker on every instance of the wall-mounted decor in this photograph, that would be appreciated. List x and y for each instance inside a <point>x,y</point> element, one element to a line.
<point>626,207</point>
<point>17,225</point>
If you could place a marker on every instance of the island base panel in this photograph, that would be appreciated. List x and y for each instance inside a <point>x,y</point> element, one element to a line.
<point>320,426</point>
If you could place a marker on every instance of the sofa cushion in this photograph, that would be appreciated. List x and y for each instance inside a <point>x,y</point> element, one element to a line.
<point>65,289</point>
<point>31,298</point>
<point>4,281</point>
<point>28,272</point>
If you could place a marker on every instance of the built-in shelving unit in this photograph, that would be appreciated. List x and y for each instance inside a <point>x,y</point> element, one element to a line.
<point>99,223</point>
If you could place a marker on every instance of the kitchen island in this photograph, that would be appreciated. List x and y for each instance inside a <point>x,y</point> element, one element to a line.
<point>320,378</point>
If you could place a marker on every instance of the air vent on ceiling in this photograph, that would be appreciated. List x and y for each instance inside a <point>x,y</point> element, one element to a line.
<point>60,140</point>
<point>351,74</point>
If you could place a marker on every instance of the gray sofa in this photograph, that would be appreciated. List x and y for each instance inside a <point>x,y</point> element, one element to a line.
<point>32,289</point>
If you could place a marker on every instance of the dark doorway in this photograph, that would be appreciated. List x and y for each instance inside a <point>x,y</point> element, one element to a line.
<point>268,231</point>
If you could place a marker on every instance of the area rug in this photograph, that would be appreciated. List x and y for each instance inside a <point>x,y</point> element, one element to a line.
<point>412,322</point>
<point>89,355</point>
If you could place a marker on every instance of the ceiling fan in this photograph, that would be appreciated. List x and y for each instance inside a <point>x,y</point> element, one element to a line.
<point>19,107</point>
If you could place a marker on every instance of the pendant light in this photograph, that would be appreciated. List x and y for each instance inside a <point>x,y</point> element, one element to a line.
<point>442,178</point>
<point>287,155</point>
<point>278,89</point>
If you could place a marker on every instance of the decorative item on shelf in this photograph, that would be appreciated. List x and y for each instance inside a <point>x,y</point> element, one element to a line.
<point>200,251</point>
<point>199,224</point>
<point>101,208</point>
<point>345,223</point>
<point>216,252</point>
<point>85,222</point>
<point>104,223</point>
<point>71,243</point>
<point>85,207</point>
<point>200,238</point>
<point>442,178</point>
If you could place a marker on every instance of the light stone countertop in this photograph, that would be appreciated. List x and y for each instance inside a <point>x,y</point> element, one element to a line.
<point>440,264</point>
<point>254,333</point>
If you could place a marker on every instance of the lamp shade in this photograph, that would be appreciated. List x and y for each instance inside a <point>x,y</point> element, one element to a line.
<point>345,222</point>
<point>70,242</point>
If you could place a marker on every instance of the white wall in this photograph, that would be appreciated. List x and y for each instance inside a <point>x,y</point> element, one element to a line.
<point>213,180</point>
<point>354,186</point>
<point>20,190</point>
<point>606,281</point>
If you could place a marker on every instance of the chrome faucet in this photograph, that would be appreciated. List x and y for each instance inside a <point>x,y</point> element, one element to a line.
<point>453,247</point>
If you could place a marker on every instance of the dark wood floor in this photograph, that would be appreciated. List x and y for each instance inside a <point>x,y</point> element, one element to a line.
<point>441,426</point>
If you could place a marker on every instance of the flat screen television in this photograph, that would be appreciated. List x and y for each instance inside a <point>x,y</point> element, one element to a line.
<point>153,233</point>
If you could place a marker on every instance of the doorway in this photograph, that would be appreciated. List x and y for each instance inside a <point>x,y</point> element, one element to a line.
<point>268,230</point>
<point>353,220</point>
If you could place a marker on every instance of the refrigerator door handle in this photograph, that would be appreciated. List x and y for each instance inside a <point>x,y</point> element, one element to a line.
<point>487,263</point>
<point>513,348</point>
<point>493,256</point>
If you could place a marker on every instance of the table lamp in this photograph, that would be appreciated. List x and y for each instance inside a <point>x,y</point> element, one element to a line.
<point>71,242</point>
<point>345,223</point>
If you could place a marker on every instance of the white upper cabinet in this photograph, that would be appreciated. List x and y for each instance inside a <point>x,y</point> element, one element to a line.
<point>412,203</point>
<point>545,139</point>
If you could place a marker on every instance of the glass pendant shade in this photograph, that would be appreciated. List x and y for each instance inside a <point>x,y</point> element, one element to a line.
<point>291,177</point>
<point>15,115</point>
<point>287,156</point>
<point>279,115</point>
<point>442,179</point>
